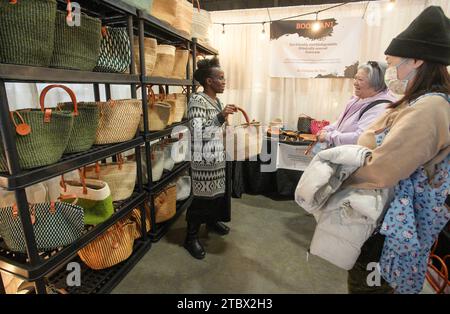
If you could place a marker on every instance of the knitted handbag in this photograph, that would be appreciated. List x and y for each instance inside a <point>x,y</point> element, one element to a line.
<point>41,135</point>
<point>115,50</point>
<point>135,216</point>
<point>145,5</point>
<point>317,125</point>
<point>94,196</point>
<point>76,47</point>
<point>201,26</point>
<point>27,26</point>
<point>55,224</point>
<point>120,177</point>
<point>85,122</point>
<point>110,248</point>
<point>119,120</point>
<point>166,204</point>
<point>304,124</point>
<point>157,160</point>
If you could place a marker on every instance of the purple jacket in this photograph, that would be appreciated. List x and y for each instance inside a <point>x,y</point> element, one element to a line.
<point>347,129</point>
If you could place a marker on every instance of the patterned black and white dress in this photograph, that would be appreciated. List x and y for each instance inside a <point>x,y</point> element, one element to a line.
<point>208,160</point>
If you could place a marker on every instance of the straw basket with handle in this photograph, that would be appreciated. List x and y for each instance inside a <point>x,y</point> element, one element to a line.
<point>165,61</point>
<point>244,142</point>
<point>158,112</point>
<point>119,120</point>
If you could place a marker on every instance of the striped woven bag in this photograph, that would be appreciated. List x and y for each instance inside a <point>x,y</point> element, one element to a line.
<point>110,248</point>
<point>115,50</point>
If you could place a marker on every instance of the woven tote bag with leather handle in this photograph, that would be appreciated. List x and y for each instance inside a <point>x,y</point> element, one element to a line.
<point>54,224</point>
<point>27,31</point>
<point>166,204</point>
<point>115,50</point>
<point>159,113</point>
<point>244,141</point>
<point>110,248</point>
<point>150,45</point>
<point>119,120</point>
<point>120,176</point>
<point>41,135</point>
<point>76,47</point>
<point>135,216</point>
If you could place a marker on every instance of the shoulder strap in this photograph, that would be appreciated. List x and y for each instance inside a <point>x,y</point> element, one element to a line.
<point>373,104</point>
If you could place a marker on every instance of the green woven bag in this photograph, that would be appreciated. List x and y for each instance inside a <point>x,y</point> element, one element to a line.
<point>41,135</point>
<point>76,47</point>
<point>84,128</point>
<point>115,50</point>
<point>27,31</point>
<point>145,5</point>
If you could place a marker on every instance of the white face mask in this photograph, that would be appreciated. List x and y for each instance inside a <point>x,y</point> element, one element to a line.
<point>393,83</point>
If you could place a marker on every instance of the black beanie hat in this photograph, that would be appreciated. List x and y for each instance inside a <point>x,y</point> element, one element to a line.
<point>426,38</point>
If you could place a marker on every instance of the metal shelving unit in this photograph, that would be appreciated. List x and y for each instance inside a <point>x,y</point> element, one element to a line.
<point>47,267</point>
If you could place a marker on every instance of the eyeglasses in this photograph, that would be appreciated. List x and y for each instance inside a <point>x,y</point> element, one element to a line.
<point>374,64</point>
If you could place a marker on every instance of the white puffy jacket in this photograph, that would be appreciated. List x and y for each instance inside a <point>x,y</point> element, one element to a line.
<point>346,217</point>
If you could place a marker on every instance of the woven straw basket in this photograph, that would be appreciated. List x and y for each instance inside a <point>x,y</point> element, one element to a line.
<point>165,10</point>
<point>166,204</point>
<point>120,176</point>
<point>183,21</point>
<point>180,63</point>
<point>119,120</point>
<point>111,247</point>
<point>165,61</point>
<point>150,45</point>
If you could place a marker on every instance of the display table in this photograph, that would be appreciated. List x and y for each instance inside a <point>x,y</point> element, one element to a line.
<point>273,173</point>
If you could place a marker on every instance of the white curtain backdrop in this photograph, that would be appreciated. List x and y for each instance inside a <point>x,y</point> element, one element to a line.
<point>245,57</point>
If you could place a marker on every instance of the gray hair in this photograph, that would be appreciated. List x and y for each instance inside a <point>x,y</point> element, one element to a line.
<point>375,73</point>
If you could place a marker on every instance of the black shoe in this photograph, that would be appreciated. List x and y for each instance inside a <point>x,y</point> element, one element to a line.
<point>218,227</point>
<point>192,244</point>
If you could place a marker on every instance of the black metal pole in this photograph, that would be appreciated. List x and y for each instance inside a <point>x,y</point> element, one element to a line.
<point>154,227</point>
<point>194,57</point>
<point>133,61</point>
<point>137,153</point>
<point>12,157</point>
<point>96,92</point>
<point>108,91</point>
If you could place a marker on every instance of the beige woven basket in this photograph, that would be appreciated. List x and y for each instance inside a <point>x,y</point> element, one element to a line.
<point>165,10</point>
<point>111,247</point>
<point>119,120</point>
<point>165,61</point>
<point>158,113</point>
<point>120,176</point>
<point>183,21</point>
<point>166,204</point>
<point>150,45</point>
<point>181,60</point>
<point>179,108</point>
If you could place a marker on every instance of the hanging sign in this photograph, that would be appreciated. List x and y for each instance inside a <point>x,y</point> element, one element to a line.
<point>315,48</point>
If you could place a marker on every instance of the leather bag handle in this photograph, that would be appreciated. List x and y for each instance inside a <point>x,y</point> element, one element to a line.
<point>47,89</point>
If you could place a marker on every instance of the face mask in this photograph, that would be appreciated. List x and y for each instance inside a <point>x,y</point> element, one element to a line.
<point>393,83</point>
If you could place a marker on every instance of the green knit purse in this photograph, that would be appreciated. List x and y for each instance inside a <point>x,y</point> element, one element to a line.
<point>94,196</point>
<point>27,31</point>
<point>41,135</point>
<point>84,128</point>
<point>76,47</point>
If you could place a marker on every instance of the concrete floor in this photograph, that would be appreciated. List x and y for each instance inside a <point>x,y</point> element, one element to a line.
<point>265,252</point>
